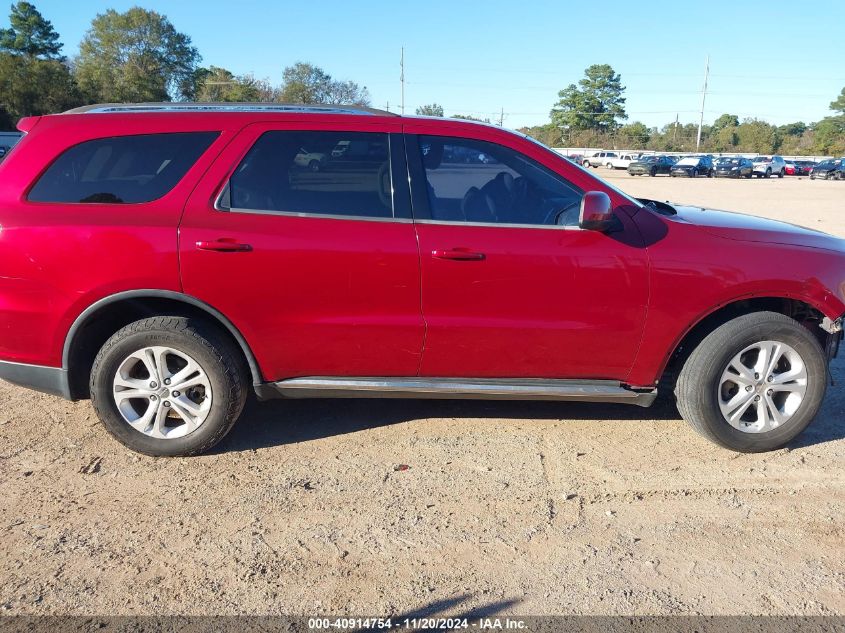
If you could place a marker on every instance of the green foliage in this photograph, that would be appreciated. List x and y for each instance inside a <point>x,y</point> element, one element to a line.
<point>432,109</point>
<point>548,134</point>
<point>596,103</point>
<point>219,84</point>
<point>838,104</point>
<point>135,56</point>
<point>635,135</point>
<point>468,117</point>
<point>30,34</point>
<point>32,86</point>
<point>793,129</point>
<point>829,136</point>
<point>310,84</point>
<point>725,121</point>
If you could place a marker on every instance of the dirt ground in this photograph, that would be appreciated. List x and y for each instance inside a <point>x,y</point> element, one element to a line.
<point>505,508</point>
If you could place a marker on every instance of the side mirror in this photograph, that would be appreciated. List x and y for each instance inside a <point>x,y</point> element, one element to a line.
<point>596,212</point>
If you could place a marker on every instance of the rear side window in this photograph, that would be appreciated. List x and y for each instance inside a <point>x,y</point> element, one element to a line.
<point>121,169</point>
<point>320,173</point>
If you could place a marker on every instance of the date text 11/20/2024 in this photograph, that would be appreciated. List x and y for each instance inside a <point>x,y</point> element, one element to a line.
<point>414,624</point>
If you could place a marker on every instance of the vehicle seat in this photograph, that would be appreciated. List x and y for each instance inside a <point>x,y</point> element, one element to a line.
<point>478,206</point>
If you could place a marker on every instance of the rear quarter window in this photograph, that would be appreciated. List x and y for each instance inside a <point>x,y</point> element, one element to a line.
<point>121,169</point>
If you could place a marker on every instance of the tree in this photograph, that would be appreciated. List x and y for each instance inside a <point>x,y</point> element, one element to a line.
<point>725,121</point>
<point>634,135</point>
<point>34,86</point>
<point>754,135</point>
<point>596,103</point>
<point>30,34</point>
<point>432,109</point>
<point>219,84</point>
<point>135,56</point>
<point>468,117</point>
<point>307,83</point>
<point>838,104</point>
<point>829,136</point>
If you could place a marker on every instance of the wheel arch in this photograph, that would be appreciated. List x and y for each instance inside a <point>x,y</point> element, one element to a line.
<point>802,311</point>
<point>84,338</point>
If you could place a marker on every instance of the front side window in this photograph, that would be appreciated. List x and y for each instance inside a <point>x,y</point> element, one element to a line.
<point>321,173</point>
<point>121,169</point>
<point>477,181</point>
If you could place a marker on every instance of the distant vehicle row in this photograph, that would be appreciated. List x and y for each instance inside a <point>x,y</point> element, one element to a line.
<point>710,166</point>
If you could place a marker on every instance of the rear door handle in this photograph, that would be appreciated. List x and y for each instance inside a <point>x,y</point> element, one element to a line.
<point>458,254</point>
<point>224,245</point>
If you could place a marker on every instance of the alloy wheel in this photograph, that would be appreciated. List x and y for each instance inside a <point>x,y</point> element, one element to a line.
<point>762,387</point>
<point>162,392</point>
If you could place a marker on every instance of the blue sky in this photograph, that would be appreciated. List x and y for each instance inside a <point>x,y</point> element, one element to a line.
<point>781,63</point>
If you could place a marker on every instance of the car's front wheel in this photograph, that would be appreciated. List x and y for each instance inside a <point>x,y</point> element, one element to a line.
<point>168,386</point>
<point>754,383</point>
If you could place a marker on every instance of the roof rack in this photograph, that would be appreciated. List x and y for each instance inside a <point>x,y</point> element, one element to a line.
<point>101,108</point>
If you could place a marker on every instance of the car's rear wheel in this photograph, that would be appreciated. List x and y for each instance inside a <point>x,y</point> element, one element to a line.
<point>168,386</point>
<point>314,165</point>
<point>652,172</point>
<point>754,383</point>
<point>694,173</point>
<point>768,173</point>
<point>780,174</point>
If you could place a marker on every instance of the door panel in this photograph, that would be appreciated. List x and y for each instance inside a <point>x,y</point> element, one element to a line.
<point>313,295</point>
<point>522,301</point>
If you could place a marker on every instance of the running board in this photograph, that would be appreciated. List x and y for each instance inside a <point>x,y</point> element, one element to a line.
<point>456,388</point>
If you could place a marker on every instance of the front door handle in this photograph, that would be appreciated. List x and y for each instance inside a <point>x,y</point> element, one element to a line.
<point>458,254</point>
<point>224,245</point>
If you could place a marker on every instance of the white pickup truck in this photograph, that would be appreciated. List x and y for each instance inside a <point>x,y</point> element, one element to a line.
<point>600,159</point>
<point>623,160</point>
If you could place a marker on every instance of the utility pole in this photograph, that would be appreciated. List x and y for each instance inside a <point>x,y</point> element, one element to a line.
<point>703,98</point>
<point>402,77</point>
<point>387,106</point>
<point>502,118</point>
<point>675,130</point>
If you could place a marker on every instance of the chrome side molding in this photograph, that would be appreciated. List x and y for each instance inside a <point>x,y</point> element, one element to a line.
<point>456,388</point>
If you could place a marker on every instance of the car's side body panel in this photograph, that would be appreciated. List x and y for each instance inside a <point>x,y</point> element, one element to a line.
<point>314,295</point>
<point>58,259</point>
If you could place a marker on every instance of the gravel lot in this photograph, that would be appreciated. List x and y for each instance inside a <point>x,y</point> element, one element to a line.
<point>509,508</point>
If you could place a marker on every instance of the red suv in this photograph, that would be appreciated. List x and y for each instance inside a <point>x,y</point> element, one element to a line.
<point>159,259</point>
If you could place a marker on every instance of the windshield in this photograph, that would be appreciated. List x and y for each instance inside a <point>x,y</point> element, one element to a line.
<point>728,161</point>
<point>689,160</point>
<point>763,159</point>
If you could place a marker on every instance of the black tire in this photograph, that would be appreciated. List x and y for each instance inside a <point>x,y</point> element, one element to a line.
<point>314,165</point>
<point>748,175</point>
<point>697,387</point>
<point>768,173</point>
<point>693,173</point>
<point>652,172</point>
<point>221,360</point>
<point>780,174</point>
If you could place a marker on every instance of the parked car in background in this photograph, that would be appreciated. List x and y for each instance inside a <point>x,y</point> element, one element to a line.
<point>832,169</point>
<point>767,166</point>
<point>733,167</point>
<point>789,168</point>
<point>578,159</point>
<point>600,159</point>
<point>693,166</point>
<point>650,165</point>
<point>190,259</point>
<point>804,167</point>
<point>623,161</point>
<point>3,151</point>
<point>310,160</point>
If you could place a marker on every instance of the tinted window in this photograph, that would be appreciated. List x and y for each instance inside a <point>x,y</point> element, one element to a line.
<point>334,173</point>
<point>121,169</point>
<point>475,181</point>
